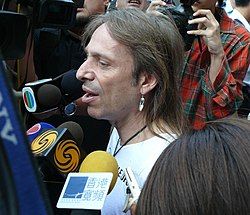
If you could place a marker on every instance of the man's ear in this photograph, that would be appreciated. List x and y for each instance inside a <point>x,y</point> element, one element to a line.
<point>147,82</point>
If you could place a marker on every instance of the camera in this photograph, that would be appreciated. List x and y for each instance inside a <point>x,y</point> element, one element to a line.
<point>13,34</point>
<point>181,14</point>
<point>45,13</point>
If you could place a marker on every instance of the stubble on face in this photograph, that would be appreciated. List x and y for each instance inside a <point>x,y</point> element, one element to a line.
<point>117,97</point>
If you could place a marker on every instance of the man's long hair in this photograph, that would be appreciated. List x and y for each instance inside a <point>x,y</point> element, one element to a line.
<point>157,49</point>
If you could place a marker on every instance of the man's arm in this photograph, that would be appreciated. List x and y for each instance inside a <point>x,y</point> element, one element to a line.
<point>209,29</point>
<point>227,67</point>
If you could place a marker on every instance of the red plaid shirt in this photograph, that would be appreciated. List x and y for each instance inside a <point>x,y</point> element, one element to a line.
<point>204,101</point>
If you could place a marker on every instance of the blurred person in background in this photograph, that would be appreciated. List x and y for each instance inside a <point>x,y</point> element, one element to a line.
<point>241,15</point>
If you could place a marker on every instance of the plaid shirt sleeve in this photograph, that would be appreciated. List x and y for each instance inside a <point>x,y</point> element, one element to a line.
<point>204,101</point>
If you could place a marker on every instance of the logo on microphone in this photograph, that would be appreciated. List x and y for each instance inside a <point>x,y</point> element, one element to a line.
<point>67,156</point>
<point>29,99</point>
<point>34,129</point>
<point>43,141</point>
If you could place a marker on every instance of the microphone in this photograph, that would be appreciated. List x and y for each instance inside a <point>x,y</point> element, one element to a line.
<point>58,151</point>
<point>37,129</point>
<point>101,161</point>
<point>87,190</point>
<point>75,129</point>
<point>51,94</point>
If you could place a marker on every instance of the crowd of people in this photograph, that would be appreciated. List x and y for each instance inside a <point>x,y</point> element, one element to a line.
<point>209,85</point>
<point>165,112</point>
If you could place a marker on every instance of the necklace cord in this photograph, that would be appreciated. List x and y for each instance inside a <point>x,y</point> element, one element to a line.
<point>127,141</point>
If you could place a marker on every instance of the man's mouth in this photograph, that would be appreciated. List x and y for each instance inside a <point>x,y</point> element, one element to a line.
<point>135,3</point>
<point>89,95</point>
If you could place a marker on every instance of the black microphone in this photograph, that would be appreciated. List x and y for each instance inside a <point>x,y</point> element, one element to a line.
<point>51,94</point>
<point>58,151</point>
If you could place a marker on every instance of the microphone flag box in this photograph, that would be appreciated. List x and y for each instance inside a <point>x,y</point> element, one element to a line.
<point>58,147</point>
<point>29,94</point>
<point>85,190</point>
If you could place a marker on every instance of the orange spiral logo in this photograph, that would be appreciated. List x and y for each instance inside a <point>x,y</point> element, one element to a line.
<point>43,141</point>
<point>67,156</point>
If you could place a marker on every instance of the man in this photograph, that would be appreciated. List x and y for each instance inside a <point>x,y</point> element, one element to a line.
<point>143,4</point>
<point>215,67</point>
<point>130,79</point>
<point>140,4</point>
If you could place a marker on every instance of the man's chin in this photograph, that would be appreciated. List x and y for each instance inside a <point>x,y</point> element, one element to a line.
<point>94,114</point>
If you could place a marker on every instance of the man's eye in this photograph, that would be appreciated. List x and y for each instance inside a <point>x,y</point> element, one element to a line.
<point>103,63</point>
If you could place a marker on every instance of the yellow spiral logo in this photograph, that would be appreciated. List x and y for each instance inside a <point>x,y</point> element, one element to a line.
<point>67,156</point>
<point>43,141</point>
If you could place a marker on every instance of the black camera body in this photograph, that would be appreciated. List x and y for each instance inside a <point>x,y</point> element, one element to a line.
<point>45,13</point>
<point>51,13</point>
<point>181,14</point>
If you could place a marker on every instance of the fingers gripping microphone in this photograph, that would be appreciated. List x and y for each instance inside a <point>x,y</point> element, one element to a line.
<point>48,94</point>
<point>60,148</point>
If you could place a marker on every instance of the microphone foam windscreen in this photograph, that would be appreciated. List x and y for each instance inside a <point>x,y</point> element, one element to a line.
<point>49,96</point>
<point>71,86</point>
<point>75,129</point>
<point>101,161</point>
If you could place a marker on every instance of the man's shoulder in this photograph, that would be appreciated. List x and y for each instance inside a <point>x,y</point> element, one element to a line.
<point>240,19</point>
<point>234,29</point>
<point>242,32</point>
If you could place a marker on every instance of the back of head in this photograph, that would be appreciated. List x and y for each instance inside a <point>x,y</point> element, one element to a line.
<point>203,172</point>
<point>157,49</point>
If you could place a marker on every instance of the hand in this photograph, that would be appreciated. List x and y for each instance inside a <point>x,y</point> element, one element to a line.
<point>209,28</point>
<point>154,5</point>
<point>133,209</point>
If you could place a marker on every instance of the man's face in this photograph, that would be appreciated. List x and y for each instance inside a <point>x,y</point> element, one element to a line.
<point>141,4</point>
<point>204,4</point>
<point>90,8</point>
<point>107,78</point>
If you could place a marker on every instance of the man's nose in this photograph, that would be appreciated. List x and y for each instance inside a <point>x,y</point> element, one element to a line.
<point>85,72</point>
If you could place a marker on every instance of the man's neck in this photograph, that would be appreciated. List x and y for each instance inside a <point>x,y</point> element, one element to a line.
<point>128,127</point>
